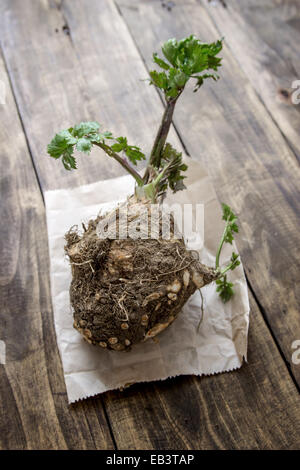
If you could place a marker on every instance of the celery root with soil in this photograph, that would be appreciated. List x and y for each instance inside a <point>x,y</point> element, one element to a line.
<point>125,290</point>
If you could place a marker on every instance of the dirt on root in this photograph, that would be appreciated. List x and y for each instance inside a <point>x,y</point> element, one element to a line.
<point>124,291</point>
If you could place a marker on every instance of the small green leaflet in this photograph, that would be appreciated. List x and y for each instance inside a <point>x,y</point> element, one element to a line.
<point>84,145</point>
<point>200,79</point>
<point>159,79</point>
<point>170,51</point>
<point>228,213</point>
<point>172,160</point>
<point>231,219</point>
<point>132,151</point>
<point>160,62</point>
<point>68,161</point>
<point>234,261</point>
<point>225,289</point>
<point>134,154</point>
<point>85,128</point>
<point>62,145</point>
<point>62,142</point>
<point>121,144</point>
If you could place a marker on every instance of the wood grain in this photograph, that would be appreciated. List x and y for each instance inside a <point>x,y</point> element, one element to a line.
<point>264,36</point>
<point>228,129</point>
<point>59,77</point>
<point>57,83</point>
<point>256,407</point>
<point>128,416</point>
<point>33,405</point>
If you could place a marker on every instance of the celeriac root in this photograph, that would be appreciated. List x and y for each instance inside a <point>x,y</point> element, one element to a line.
<point>124,291</point>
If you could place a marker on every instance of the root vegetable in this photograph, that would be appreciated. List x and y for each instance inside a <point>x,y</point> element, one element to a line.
<point>148,299</point>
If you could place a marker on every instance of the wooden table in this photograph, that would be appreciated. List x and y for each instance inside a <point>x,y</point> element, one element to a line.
<point>72,60</point>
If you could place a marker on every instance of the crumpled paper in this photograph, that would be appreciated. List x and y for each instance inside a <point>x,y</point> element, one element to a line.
<point>220,345</point>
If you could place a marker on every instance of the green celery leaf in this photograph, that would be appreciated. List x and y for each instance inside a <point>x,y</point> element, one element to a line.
<point>60,143</point>
<point>172,160</point>
<point>85,128</point>
<point>200,79</point>
<point>134,154</point>
<point>234,260</point>
<point>117,147</point>
<point>68,160</point>
<point>170,51</point>
<point>159,79</point>
<point>225,289</point>
<point>160,62</point>
<point>84,145</point>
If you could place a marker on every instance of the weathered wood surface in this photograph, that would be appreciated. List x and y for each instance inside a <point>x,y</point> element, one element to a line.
<point>58,78</point>
<point>33,408</point>
<point>237,410</point>
<point>264,36</point>
<point>228,129</point>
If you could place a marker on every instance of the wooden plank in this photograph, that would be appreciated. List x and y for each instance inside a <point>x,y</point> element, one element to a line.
<point>226,126</point>
<point>264,36</point>
<point>55,87</point>
<point>124,409</point>
<point>157,416</point>
<point>33,405</point>
<point>256,407</point>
